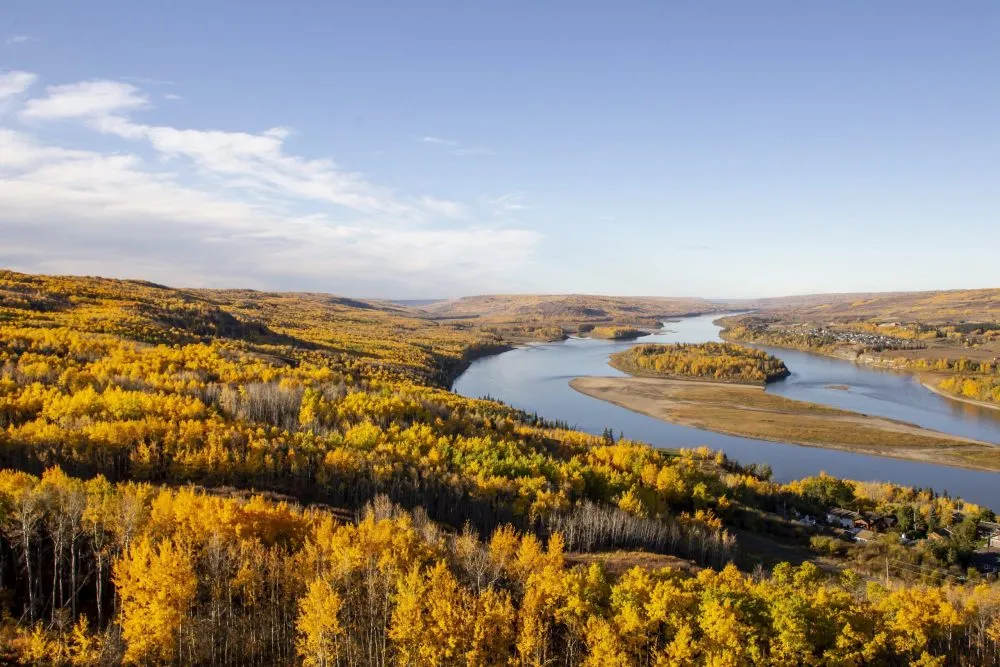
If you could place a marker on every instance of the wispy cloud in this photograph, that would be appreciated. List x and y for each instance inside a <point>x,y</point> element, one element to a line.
<point>14,40</point>
<point>697,247</point>
<point>443,207</point>
<point>146,81</point>
<point>455,147</point>
<point>222,207</point>
<point>172,96</point>
<point>87,99</point>
<point>508,203</point>
<point>13,84</point>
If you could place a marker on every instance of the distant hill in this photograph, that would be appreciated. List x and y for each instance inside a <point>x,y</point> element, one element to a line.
<point>569,308</point>
<point>931,307</point>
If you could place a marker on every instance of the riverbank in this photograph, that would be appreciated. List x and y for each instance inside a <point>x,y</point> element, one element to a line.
<point>940,392</point>
<point>750,412</point>
<point>846,353</point>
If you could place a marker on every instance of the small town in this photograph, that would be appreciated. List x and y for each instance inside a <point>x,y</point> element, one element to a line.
<point>870,527</point>
<point>838,336</point>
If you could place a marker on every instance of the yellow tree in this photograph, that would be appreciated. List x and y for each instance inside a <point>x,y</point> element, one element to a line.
<point>157,586</point>
<point>318,625</point>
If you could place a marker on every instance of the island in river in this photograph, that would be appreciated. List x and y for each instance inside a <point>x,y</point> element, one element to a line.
<point>711,361</point>
<point>617,333</point>
<point>749,411</point>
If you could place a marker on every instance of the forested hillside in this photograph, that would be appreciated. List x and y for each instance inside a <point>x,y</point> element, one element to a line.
<point>235,477</point>
<point>550,317</point>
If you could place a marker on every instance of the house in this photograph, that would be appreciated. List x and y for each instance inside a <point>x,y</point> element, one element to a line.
<point>939,535</point>
<point>865,536</point>
<point>886,523</point>
<point>865,522</point>
<point>994,541</point>
<point>841,517</point>
<point>876,523</point>
<point>988,528</point>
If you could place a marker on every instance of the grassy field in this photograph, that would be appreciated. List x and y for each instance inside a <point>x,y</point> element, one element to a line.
<point>751,412</point>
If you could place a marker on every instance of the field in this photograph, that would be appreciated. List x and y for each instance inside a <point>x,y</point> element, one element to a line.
<point>750,412</point>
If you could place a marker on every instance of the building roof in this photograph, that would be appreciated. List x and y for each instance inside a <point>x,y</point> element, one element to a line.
<point>845,514</point>
<point>865,535</point>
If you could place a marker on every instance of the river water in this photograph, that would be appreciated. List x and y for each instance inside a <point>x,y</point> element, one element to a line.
<point>536,378</point>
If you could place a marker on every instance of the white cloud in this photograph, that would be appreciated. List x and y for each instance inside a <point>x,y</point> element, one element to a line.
<point>14,83</point>
<point>87,99</point>
<point>225,208</point>
<point>456,148</point>
<point>14,40</point>
<point>509,203</point>
<point>448,209</point>
<point>172,96</point>
<point>146,81</point>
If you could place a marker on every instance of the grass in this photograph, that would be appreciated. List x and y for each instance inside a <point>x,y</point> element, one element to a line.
<point>750,412</point>
<point>617,563</point>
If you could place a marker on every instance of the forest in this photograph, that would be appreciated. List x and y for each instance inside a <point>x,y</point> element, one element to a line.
<point>238,477</point>
<point>615,332</point>
<point>723,362</point>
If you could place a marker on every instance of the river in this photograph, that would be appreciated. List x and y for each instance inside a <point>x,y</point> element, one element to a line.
<point>536,378</point>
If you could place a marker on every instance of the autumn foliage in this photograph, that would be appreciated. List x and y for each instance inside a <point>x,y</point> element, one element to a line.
<point>233,477</point>
<point>725,362</point>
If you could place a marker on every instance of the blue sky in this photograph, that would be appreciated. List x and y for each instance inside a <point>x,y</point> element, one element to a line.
<point>417,149</point>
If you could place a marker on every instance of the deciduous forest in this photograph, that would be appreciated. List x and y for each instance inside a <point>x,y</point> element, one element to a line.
<point>237,477</point>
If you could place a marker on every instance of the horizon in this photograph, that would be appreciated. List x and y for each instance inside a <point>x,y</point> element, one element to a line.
<point>397,152</point>
<point>428,299</point>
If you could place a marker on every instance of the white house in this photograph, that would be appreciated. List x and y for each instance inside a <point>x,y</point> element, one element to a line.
<point>841,517</point>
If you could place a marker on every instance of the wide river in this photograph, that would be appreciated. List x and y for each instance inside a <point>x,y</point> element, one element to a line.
<point>536,378</point>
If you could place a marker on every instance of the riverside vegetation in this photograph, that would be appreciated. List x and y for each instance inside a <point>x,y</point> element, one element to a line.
<point>616,333</point>
<point>952,354</point>
<point>235,477</point>
<point>719,362</point>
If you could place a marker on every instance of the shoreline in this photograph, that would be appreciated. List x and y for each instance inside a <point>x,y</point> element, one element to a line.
<point>667,401</point>
<point>918,375</point>
<point>960,399</point>
<point>686,378</point>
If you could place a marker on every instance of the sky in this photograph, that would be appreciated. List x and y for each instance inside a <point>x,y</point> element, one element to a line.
<point>439,149</point>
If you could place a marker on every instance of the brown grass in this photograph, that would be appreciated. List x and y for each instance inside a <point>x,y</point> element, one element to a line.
<point>617,563</point>
<point>752,413</point>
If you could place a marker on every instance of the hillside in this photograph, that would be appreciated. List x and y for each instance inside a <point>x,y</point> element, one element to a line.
<point>240,477</point>
<point>935,307</point>
<point>568,308</point>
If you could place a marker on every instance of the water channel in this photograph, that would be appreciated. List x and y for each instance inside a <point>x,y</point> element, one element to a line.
<point>536,378</point>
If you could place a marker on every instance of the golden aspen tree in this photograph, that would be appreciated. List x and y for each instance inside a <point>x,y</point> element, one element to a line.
<point>318,625</point>
<point>157,585</point>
